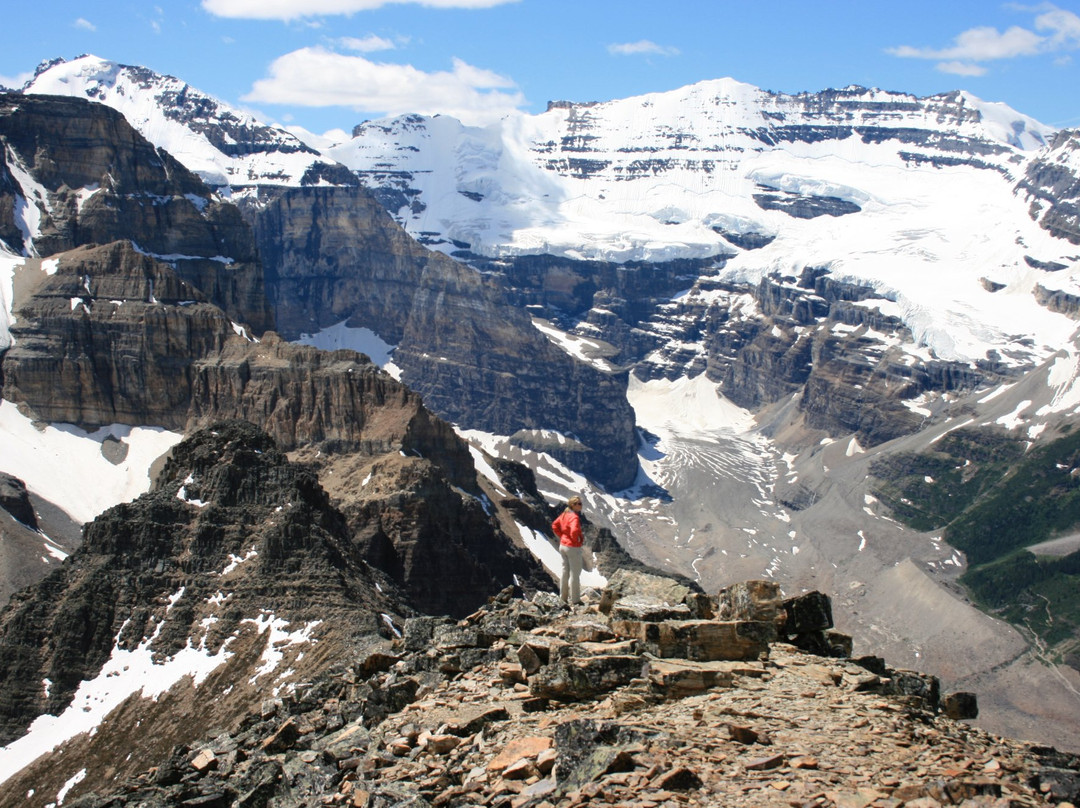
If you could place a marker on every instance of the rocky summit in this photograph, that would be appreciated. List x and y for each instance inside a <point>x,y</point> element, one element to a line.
<point>526,705</point>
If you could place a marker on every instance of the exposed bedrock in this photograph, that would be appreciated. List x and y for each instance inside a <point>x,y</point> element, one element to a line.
<point>1052,185</point>
<point>333,254</point>
<point>109,338</point>
<point>92,179</point>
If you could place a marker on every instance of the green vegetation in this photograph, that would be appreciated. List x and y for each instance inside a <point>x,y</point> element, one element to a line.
<point>993,500</point>
<point>1042,594</point>
<point>1038,499</point>
<point>929,490</point>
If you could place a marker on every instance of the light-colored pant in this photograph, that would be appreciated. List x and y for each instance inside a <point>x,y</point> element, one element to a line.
<point>570,583</point>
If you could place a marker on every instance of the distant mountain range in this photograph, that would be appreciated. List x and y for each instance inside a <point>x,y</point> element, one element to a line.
<point>753,329</point>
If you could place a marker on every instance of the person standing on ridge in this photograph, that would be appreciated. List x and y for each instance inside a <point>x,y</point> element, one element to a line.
<point>567,527</point>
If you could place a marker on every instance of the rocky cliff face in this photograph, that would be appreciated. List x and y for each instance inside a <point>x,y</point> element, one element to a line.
<point>109,337</point>
<point>84,176</point>
<point>331,254</point>
<point>120,333</point>
<point>1052,185</point>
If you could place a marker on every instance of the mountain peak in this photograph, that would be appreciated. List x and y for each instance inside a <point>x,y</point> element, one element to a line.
<point>225,146</point>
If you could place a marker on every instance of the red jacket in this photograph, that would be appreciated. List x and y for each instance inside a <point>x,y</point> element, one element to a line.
<point>568,528</point>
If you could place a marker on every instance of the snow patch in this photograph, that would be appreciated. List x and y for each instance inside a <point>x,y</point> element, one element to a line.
<point>687,407</point>
<point>124,674</point>
<point>361,340</point>
<point>65,465</point>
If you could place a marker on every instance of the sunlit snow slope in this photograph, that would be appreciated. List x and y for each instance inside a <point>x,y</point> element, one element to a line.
<point>914,197</point>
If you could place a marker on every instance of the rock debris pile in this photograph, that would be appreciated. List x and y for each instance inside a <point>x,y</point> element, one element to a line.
<point>651,696</point>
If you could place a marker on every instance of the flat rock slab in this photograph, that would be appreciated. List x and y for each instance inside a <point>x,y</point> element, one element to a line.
<point>699,640</point>
<point>683,677</point>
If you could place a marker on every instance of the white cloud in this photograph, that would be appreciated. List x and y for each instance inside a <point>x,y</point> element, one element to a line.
<point>642,46</point>
<point>980,45</point>
<point>85,24</point>
<point>15,82</point>
<point>316,77</point>
<point>1064,28</point>
<point>293,9</point>
<point>1060,32</point>
<point>367,44</point>
<point>961,68</point>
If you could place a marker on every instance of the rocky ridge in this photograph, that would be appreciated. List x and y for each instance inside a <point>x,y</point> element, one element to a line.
<point>235,576</point>
<point>520,704</point>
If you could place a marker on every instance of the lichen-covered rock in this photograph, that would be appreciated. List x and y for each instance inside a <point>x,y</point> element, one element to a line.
<point>583,678</point>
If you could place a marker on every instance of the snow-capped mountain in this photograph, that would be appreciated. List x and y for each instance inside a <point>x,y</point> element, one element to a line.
<point>915,198</point>
<point>799,287</point>
<point>226,147</point>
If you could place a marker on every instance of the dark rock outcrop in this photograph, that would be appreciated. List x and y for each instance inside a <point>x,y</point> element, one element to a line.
<point>804,206</point>
<point>35,537</point>
<point>1052,186</point>
<point>147,572</point>
<point>16,501</point>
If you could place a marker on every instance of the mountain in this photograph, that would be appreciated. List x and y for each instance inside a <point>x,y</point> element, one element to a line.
<point>111,334</point>
<point>222,145</point>
<point>801,310</point>
<point>474,377</point>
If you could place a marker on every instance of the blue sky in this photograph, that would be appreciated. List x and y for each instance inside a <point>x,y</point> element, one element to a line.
<point>330,64</point>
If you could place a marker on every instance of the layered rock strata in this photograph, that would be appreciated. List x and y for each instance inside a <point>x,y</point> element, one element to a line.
<point>80,175</point>
<point>109,337</point>
<point>331,254</point>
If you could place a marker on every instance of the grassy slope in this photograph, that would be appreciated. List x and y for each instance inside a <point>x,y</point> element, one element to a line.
<point>992,500</point>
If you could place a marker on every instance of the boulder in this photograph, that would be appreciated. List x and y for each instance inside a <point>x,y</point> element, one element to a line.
<point>760,601</point>
<point>643,587</point>
<point>646,609</point>
<point>960,705</point>
<point>679,678</point>
<point>807,613</point>
<point>583,678</point>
